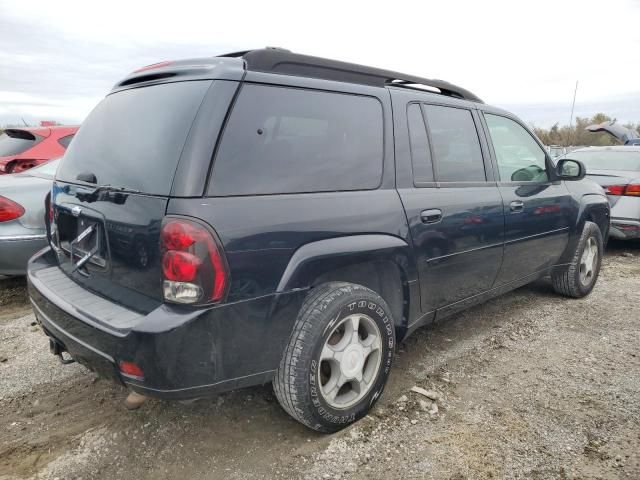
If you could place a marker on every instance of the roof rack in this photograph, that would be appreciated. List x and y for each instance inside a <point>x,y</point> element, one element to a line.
<point>279,60</point>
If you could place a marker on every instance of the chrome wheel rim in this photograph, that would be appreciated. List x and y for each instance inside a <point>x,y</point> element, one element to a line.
<point>588,261</point>
<point>350,361</point>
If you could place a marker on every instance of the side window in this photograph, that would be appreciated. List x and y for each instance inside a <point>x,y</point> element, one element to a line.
<point>455,144</point>
<point>286,140</point>
<point>519,157</point>
<point>65,141</point>
<point>419,143</point>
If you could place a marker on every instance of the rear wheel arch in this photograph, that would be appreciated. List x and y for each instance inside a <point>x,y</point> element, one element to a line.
<point>592,208</point>
<point>382,263</point>
<point>598,214</point>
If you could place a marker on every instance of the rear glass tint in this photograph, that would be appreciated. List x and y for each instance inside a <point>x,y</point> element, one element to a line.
<point>15,142</point>
<point>65,141</point>
<point>284,140</point>
<point>419,143</point>
<point>133,138</point>
<point>455,144</point>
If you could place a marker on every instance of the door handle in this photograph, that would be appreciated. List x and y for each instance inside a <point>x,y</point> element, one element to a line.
<point>516,206</point>
<point>433,215</point>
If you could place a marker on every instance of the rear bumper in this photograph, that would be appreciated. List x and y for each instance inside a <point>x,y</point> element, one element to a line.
<point>17,250</point>
<point>625,229</point>
<point>183,352</point>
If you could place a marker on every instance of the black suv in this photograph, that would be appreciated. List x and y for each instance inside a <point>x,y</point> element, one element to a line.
<point>266,216</point>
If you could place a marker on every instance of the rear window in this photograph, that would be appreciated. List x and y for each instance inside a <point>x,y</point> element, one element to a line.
<point>133,138</point>
<point>608,160</point>
<point>284,140</point>
<point>15,142</point>
<point>65,141</point>
<point>455,144</point>
<point>419,143</point>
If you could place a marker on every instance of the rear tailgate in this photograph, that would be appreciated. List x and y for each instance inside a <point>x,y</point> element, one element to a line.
<point>111,190</point>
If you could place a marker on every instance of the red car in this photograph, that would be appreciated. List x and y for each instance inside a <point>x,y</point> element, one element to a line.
<point>24,148</point>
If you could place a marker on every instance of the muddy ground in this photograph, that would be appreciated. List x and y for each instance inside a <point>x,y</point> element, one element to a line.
<point>530,385</point>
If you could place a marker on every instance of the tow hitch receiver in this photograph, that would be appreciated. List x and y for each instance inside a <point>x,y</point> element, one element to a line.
<point>57,349</point>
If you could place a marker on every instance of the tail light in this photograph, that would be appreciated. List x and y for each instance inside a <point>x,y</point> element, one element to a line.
<point>131,369</point>
<point>194,269</point>
<point>18,166</point>
<point>631,190</point>
<point>9,210</point>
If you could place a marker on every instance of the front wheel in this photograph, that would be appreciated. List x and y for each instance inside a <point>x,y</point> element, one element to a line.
<point>578,279</point>
<point>338,358</point>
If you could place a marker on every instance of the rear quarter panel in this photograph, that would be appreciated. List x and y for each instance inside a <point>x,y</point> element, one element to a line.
<point>260,234</point>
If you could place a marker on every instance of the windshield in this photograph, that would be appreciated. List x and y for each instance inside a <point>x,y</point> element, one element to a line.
<point>48,168</point>
<point>608,159</point>
<point>133,139</point>
<point>14,142</point>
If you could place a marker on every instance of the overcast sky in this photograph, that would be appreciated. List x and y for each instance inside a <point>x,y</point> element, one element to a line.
<point>58,59</point>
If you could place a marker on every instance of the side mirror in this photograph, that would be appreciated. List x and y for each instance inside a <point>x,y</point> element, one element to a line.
<point>567,169</point>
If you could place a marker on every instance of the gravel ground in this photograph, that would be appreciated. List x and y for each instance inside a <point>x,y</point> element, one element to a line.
<point>529,385</point>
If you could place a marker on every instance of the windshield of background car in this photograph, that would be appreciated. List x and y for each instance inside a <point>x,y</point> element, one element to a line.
<point>15,142</point>
<point>133,139</point>
<point>608,160</point>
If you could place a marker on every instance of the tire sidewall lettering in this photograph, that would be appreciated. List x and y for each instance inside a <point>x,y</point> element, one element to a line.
<point>377,312</point>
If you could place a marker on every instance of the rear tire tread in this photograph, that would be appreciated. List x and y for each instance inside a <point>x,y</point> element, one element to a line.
<point>290,385</point>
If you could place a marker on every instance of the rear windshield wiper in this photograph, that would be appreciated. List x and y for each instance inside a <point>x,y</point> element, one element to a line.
<point>93,191</point>
<point>113,188</point>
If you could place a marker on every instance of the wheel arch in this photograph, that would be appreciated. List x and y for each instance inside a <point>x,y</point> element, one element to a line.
<point>592,208</point>
<point>382,263</point>
<point>595,209</point>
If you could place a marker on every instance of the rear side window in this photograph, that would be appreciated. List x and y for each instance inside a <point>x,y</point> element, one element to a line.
<point>285,140</point>
<point>15,142</point>
<point>455,144</point>
<point>133,138</point>
<point>65,141</point>
<point>418,140</point>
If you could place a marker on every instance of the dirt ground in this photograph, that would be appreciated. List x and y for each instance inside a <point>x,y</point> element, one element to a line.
<point>529,385</point>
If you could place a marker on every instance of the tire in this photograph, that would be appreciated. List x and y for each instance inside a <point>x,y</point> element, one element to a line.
<point>325,325</point>
<point>572,281</point>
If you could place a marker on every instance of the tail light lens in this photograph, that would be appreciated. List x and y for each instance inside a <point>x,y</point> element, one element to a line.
<point>9,210</point>
<point>131,369</point>
<point>194,269</point>
<point>631,190</point>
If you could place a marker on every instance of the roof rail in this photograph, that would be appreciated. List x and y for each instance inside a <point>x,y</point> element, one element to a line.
<point>279,60</point>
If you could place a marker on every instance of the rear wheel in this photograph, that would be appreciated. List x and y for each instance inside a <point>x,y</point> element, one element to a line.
<point>339,357</point>
<point>578,279</point>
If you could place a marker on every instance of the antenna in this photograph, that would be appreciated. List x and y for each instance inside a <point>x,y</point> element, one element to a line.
<point>573,105</point>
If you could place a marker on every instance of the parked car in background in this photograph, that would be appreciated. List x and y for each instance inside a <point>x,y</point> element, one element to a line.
<point>627,136</point>
<point>556,150</point>
<point>617,170</point>
<point>22,216</point>
<point>25,148</point>
<point>298,216</point>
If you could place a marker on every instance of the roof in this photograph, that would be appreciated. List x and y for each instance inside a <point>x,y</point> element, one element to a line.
<point>231,66</point>
<point>278,60</point>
